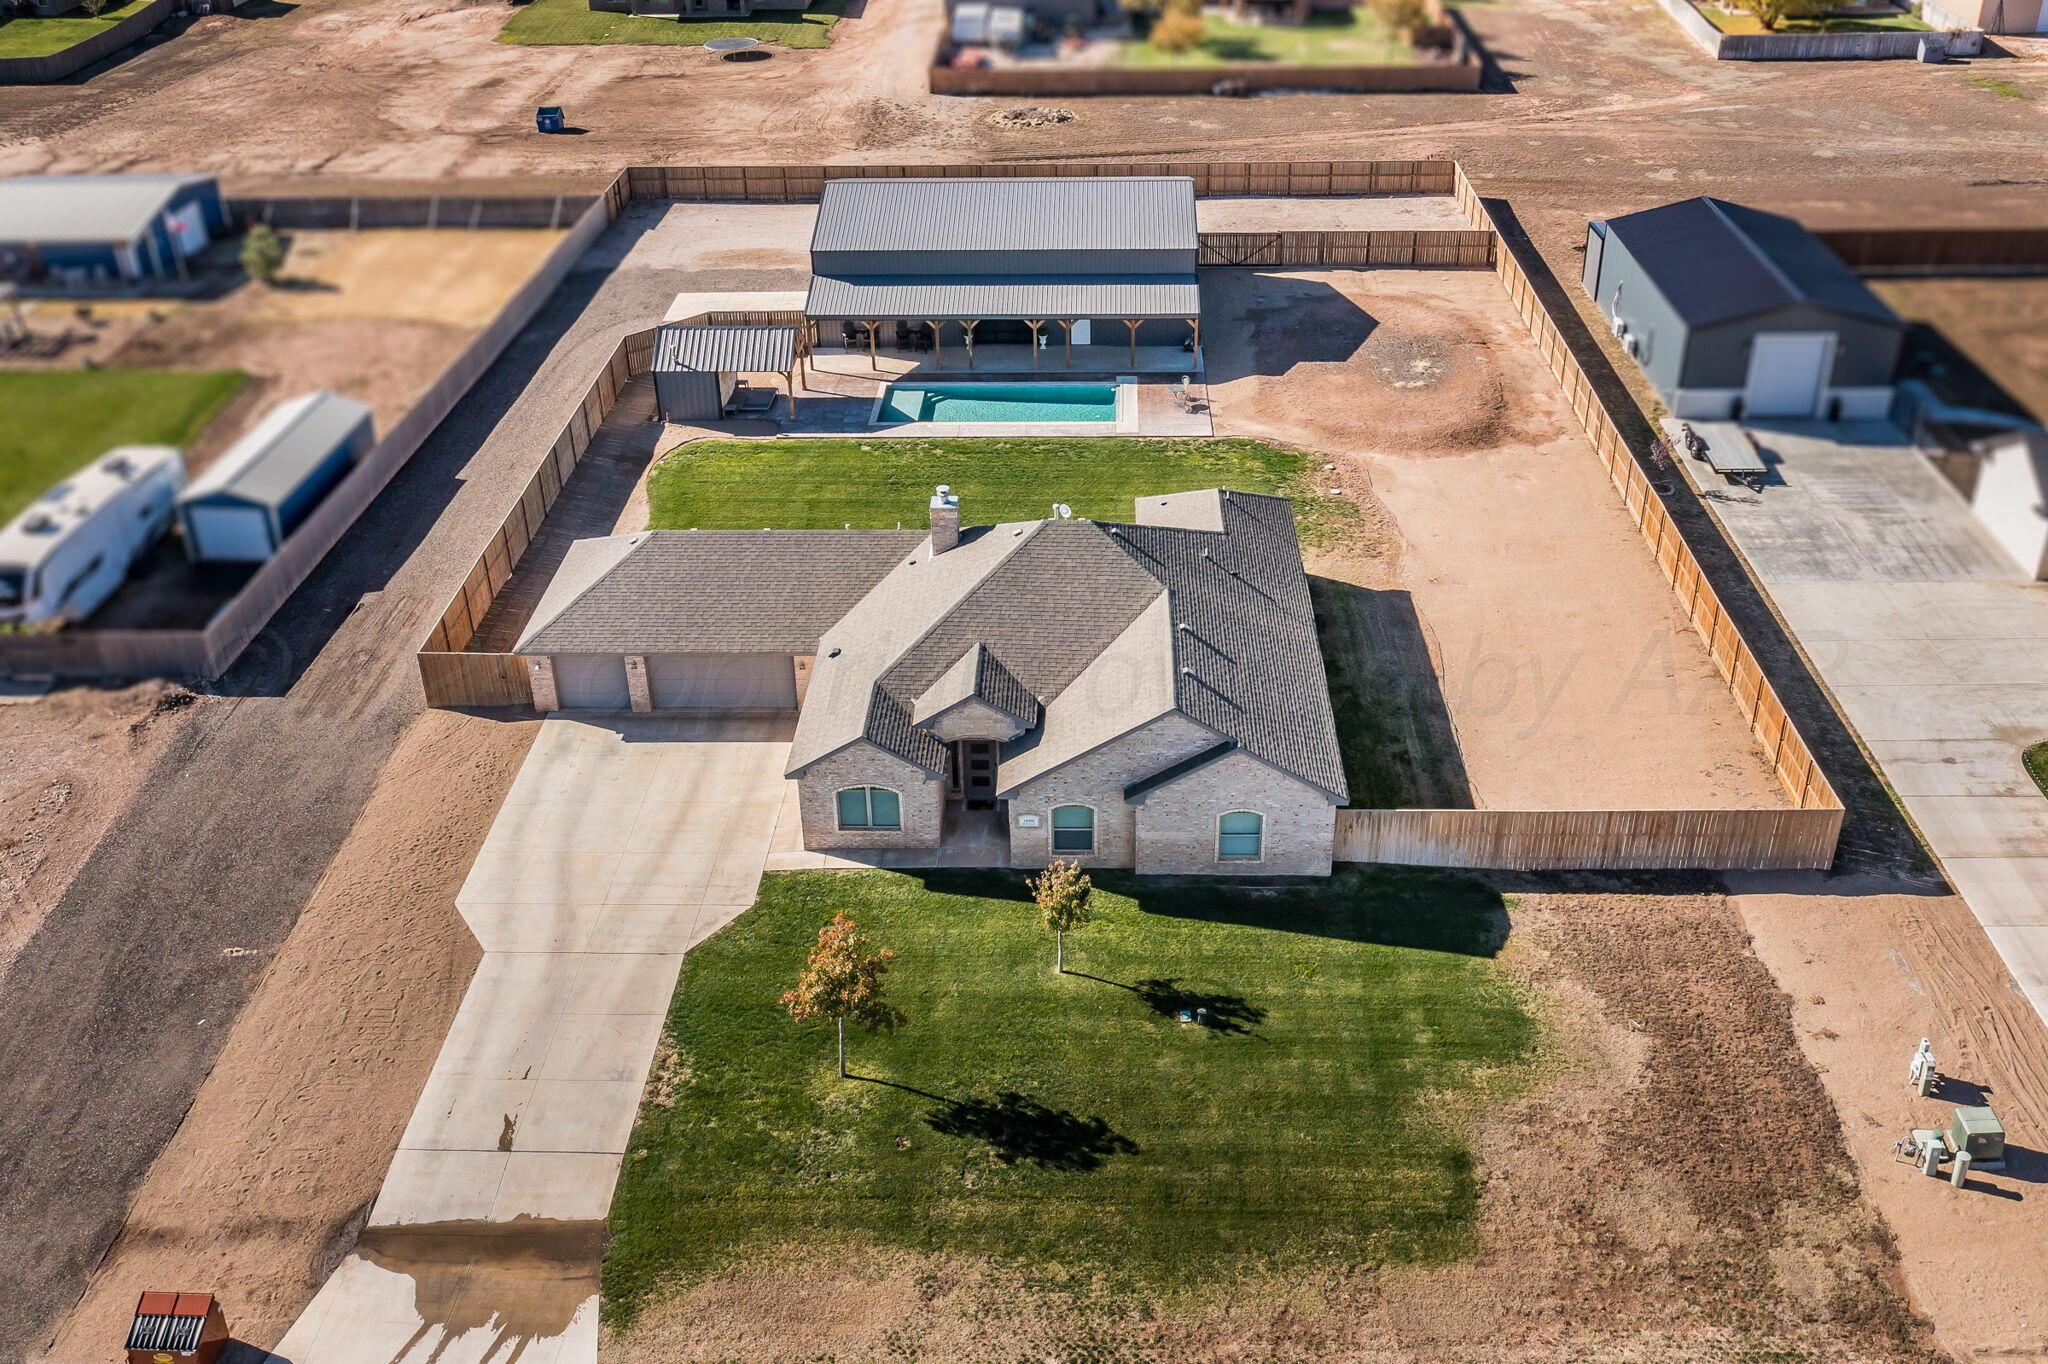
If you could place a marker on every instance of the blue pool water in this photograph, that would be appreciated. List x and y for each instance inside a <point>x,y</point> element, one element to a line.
<point>1069,403</point>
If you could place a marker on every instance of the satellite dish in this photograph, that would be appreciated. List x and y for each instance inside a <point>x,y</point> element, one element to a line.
<point>1062,510</point>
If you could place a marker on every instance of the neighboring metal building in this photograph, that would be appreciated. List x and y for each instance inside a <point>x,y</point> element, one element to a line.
<point>1736,313</point>
<point>106,227</point>
<point>1009,260</point>
<point>697,369</point>
<point>242,509</point>
<point>695,9</point>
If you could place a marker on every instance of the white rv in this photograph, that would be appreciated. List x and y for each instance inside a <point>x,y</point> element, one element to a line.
<point>65,555</point>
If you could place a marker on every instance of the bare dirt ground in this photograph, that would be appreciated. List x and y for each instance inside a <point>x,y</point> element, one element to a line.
<point>1871,966</point>
<point>1671,1191</point>
<point>269,1176</point>
<point>1568,676</point>
<point>1995,322</point>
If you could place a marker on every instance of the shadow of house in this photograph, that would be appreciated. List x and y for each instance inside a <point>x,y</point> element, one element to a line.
<point>1020,1130</point>
<point>1400,747</point>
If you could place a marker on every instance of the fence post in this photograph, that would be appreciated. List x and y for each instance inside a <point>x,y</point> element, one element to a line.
<point>433,212</point>
<point>355,214</point>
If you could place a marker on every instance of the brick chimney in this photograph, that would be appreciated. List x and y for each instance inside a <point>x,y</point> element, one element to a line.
<point>945,520</point>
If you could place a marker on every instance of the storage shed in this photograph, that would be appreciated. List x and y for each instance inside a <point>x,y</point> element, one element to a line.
<point>82,228</point>
<point>242,509</point>
<point>697,368</point>
<point>1736,313</point>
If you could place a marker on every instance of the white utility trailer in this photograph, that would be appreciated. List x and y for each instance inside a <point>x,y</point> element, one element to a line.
<point>64,556</point>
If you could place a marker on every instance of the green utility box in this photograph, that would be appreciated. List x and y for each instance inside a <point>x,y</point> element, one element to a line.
<point>1978,1132</point>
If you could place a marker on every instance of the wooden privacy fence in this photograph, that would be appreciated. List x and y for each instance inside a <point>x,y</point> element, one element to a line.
<point>805,184</point>
<point>208,652</point>
<point>1802,837</point>
<point>469,211</point>
<point>1611,840</point>
<point>454,677</point>
<point>1941,250</point>
<point>1444,249</point>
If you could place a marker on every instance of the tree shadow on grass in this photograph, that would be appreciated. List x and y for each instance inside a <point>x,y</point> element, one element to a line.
<point>1166,997</point>
<point>1021,1130</point>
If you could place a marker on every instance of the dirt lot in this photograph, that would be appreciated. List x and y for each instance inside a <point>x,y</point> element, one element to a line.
<point>264,1186</point>
<point>1996,324</point>
<point>1496,549</point>
<point>1671,1192</point>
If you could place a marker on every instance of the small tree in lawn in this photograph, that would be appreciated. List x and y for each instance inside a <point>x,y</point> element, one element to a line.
<point>262,253</point>
<point>1062,892</point>
<point>842,981</point>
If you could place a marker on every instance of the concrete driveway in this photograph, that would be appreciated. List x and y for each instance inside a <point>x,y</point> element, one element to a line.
<point>624,842</point>
<point>1931,642</point>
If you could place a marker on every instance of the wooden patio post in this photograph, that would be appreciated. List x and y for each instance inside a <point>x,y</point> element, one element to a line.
<point>1196,324</point>
<point>1134,341</point>
<point>789,378</point>
<point>938,344</point>
<point>874,361</point>
<point>1034,341</point>
<point>968,327</point>
<point>1067,327</point>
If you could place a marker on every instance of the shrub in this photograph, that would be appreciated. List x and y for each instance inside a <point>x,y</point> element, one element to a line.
<point>1178,30</point>
<point>1404,17</point>
<point>262,253</point>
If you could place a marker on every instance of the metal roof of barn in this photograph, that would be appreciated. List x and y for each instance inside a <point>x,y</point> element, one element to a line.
<point>85,209</point>
<point>1108,213</point>
<point>1022,297</point>
<point>292,442</point>
<point>725,350</point>
<point>1715,262</point>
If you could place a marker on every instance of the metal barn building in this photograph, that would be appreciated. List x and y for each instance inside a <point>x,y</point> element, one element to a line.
<point>1736,313</point>
<point>1107,261</point>
<point>106,227</point>
<point>242,509</point>
<point>697,369</point>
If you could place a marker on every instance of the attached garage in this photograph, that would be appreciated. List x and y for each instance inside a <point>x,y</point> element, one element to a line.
<point>591,682</point>
<point>722,682</point>
<point>697,621</point>
<point>1735,314</point>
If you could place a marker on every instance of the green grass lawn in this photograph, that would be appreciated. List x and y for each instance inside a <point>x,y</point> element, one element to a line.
<point>1071,1127</point>
<point>560,23</point>
<point>1733,20</point>
<point>53,422</point>
<point>1360,38</point>
<point>2037,766</point>
<point>1996,86</point>
<point>24,36</point>
<point>826,483</point>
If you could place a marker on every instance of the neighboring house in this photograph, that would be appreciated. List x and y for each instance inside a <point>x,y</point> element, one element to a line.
<point>1735,313</point>
<point>697,9</point>
<point>1993,16</point>
<point>1147,695</point>
<point>242,509</point>
<point>1108,261</point>
<point>88,228</point>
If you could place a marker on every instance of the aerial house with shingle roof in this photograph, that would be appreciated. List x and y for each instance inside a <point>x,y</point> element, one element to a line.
<point>1146,694</point>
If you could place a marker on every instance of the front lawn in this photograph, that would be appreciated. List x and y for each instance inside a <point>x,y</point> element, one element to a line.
<point>1734,20</point>
<point>54,422</point>
<point>1360,38</point>
<point>572,23</point>
<point>824,484</point>
<point>1071,1126</point>
<point>35,36</point>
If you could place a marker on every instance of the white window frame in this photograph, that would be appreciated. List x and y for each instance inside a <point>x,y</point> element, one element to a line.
<point>1052,830</point>
<point>1225,814</point>
<point>868,799</point>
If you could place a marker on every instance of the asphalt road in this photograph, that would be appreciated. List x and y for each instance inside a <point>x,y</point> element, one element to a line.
<point>116,1010</point>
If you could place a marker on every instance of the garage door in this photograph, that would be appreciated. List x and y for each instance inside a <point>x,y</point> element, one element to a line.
<point>591,682</point>
<point>722,681</point>
<point>1787,372</point>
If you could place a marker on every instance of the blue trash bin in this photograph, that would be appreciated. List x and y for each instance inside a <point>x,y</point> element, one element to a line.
<point>548,118</point>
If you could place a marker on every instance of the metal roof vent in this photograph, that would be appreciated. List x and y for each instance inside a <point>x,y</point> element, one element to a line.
<point>120,466</point>
<point>832,652</point>
<point>39,523</point>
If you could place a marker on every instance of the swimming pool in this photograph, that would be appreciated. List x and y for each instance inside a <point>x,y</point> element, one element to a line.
<point>1071,404</point>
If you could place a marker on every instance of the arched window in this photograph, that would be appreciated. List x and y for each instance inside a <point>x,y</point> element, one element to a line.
<point>1240,836</point>
<point>870,807</point>
<point>1073,829</point>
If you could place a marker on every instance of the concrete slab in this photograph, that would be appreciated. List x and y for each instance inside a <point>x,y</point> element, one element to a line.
<point>602,1047</point>
<point>431,1188</point>
<point>564,1186</point>
<point>1932,643</point>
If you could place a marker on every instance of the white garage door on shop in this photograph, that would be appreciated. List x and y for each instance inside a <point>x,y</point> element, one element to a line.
<point>722,681</point>
<point>1788,371</point>
<point>591,682</point>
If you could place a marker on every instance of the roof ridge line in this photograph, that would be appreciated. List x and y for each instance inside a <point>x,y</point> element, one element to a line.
<point>1791,286</point>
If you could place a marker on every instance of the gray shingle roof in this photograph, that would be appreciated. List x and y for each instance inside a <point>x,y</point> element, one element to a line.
<point>1715,261</point>
<point>85,208</point>
<point>1024,214</point>
<point>726,350</point>
<point>1025,297</point>
<point>745,591</point>
<point>978,675</point>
